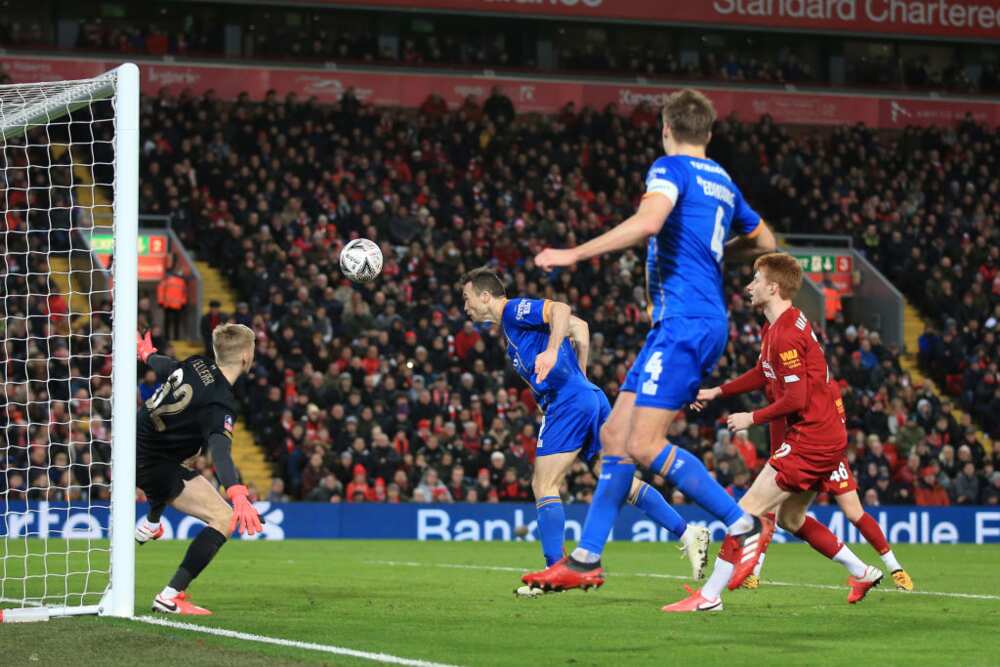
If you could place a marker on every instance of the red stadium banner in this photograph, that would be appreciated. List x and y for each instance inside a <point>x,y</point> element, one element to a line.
<point>953,19</point>
<point>528,95</point>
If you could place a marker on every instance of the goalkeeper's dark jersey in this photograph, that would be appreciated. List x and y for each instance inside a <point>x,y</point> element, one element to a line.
<point>194,402</point>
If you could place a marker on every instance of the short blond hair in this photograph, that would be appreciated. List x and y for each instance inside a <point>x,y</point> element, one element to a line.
<point>229,341</point>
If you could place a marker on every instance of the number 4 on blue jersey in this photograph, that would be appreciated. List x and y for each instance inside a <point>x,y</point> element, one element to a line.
<point>684,259</point>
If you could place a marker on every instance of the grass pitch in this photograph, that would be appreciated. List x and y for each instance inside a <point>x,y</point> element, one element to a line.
<point>452,603</point>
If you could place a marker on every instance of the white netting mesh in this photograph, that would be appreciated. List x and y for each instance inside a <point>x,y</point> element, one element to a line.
<point>56,191</point>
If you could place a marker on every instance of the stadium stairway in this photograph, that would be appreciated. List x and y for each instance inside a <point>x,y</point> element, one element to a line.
<point>73,280</point>
<point>73,276</point>
<point>913,326</point>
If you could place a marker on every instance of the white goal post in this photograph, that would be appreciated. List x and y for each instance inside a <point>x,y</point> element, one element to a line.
<point>69,173</point>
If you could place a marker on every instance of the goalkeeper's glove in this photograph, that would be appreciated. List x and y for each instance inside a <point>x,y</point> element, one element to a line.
<point>244,514</point>
<point>144,347</point>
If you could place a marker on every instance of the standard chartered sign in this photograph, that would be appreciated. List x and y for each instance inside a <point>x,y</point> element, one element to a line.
<point>930,13</point>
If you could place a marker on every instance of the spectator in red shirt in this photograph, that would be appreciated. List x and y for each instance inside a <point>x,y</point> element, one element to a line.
<point>906,476</point>
<point>359,484</point>
<point>434,106</point>
<point>372,361</point>
<point>929,491</point>
<point>510,488</point>
<point>471,437</point>
<point>465,340</point>
<point>747,450</point>
<point>644,115</point>
<point>525,443</point>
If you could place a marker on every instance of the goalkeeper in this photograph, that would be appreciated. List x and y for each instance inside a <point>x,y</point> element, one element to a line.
<point>193,409</point>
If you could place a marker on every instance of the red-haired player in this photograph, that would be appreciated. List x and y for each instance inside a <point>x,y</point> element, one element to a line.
<point>792,370</point>
<point>844,489</point>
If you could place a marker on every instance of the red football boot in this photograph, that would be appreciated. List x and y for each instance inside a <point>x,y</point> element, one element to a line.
<point>179,604</point>
<point>695,601</point>
<point>561,576</point>
<point>861,585</point>
<point>751,545</point>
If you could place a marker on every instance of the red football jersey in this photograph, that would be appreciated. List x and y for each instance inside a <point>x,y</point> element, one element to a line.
<point>805,409</point>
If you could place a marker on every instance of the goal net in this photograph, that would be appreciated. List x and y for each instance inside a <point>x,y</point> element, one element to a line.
<point>68,179</point>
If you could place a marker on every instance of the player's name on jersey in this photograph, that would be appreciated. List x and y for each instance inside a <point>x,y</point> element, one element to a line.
<point>716,190</point>
<point>204,371</point>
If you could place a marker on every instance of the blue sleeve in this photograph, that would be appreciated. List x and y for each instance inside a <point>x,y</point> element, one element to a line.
<point>667,177</point>
<point>524,314</point>
<point>745,219</point>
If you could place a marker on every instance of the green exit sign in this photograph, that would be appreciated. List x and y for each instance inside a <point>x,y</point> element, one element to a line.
<point>825,263</point>
<point>102,244</point>
<point>149,245</point>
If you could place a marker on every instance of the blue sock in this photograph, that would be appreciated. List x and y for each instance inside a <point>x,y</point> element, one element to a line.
<point>612,490</point>
<point>551,527</point>
<point>652,502</point>
<point>683,469</point>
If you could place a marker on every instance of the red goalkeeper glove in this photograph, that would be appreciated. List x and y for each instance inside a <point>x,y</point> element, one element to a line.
<point>244,513</point>
<point>144,347</point>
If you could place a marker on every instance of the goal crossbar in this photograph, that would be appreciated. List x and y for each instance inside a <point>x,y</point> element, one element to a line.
<point>38,107</point>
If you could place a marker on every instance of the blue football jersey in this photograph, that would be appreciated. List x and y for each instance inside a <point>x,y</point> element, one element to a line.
<point>527,336</point>
<point>684,260</point>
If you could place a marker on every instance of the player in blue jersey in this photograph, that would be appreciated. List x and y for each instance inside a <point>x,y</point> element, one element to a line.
<point>538,333</point>
<point>691,206</point>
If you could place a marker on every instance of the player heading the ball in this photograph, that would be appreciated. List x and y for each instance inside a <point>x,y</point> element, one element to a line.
<point>541,336</point>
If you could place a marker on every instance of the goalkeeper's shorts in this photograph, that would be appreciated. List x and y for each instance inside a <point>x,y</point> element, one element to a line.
<point>162,481</point>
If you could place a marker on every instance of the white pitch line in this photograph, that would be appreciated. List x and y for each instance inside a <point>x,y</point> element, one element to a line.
<point>454,566</point>
<point>498,568</point>
<point>276,641</point>
<point>829,587</point>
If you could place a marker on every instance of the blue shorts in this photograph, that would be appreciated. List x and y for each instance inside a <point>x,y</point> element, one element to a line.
<point>574,424</point>
<point>677,354</point>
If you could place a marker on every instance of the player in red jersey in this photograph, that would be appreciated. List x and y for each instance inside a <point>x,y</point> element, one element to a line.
<point>844,489</point>
<point>792,371</point>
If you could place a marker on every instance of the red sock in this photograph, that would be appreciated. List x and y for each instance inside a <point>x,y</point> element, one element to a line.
<point>730,549</point>
<point>819,537</point>
<point>873,533</point>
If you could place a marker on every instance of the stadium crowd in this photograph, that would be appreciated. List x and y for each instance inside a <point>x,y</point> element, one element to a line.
<point>55,361</point>
<point>383,392</point>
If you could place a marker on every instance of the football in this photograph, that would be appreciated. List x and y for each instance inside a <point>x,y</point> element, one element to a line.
<point>361,260</point>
